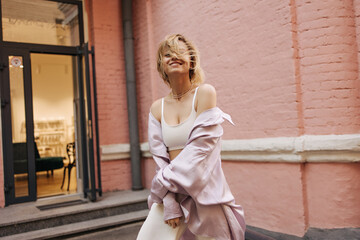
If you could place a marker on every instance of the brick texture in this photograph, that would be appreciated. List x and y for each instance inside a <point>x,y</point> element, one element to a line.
<point>281,68</point>
<point>116,175</point>
<point>106,35</point>
<point>329,66</point>
<point>110,74</point>
<point>269,193</point>
<point>145,63</point>
<point>246,57</point>
<point>334,195</point>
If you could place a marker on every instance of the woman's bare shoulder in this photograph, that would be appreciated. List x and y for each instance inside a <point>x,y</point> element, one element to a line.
<point>155,109</point>
<point>206,98</point>
<point>207,90</point>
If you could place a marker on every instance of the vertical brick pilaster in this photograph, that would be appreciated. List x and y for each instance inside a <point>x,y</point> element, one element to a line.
<point>328,66</point>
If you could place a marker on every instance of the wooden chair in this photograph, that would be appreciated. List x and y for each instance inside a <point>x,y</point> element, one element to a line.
<point>71,152</point>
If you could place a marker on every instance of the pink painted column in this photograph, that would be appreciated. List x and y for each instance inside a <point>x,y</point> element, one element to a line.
<point>329,67</point>
<point>329,70</point>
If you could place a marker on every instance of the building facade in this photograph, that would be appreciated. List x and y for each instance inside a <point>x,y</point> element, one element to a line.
<point>286,71</point>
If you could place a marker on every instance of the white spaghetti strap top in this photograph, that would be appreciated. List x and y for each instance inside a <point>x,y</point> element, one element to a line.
<point>176,136</point>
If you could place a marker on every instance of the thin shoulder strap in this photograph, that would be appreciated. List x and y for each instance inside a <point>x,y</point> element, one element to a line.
<point>193,103</point>
<point>162,108</point>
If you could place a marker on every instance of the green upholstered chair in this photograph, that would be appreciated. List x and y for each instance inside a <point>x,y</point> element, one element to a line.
<point>41,163</point>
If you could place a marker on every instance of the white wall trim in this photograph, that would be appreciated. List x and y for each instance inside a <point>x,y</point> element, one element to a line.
<point>307,148</point>
<point>115,152</point>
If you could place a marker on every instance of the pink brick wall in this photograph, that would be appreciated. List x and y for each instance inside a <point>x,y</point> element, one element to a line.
<point>329,66</point>
<point>116,175</point>
<point>258,74</point>
<point>333,195</point>
<point>146,75</point>
<point>254,57</point>
<point>105,30</point>
<point>280,69</point>
<point>110,72</point>
<point>270,193</point>
<point>356,4</point>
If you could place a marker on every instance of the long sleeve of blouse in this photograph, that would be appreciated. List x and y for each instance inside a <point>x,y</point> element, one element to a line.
<point>196,173</point>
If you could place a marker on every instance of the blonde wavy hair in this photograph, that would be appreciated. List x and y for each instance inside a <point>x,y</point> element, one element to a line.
<point>171,42</point>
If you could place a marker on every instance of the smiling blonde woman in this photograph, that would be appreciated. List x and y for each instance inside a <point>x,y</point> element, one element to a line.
<point>190,198</point>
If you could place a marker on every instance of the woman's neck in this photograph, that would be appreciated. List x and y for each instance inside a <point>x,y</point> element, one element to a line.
<point>180,84</point>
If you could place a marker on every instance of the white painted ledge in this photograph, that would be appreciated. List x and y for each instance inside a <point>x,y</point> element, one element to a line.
<point>307,148</point>
<point>115,152</point>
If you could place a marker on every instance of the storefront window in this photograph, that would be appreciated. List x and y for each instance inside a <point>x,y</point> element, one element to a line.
<point>40,21</point>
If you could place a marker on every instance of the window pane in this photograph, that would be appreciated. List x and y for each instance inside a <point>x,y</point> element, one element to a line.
<point>18,124</point>
<point>40,21</point>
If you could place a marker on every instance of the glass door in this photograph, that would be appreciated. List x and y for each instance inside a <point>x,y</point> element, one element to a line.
<point>39,115</point>
<point>18,138</point>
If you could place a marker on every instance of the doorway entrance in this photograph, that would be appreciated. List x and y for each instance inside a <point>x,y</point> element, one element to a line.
<point>47,101</point>
<point>52,78</point>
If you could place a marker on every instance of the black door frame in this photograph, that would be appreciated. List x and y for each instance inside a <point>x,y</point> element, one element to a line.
<point>7,131</point>
<point>86,128</point>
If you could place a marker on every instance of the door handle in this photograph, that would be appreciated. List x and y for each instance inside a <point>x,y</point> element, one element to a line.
<point>7,188</point>
<point>4,103</point>
<point>90,129</point>
<point>3,66</point>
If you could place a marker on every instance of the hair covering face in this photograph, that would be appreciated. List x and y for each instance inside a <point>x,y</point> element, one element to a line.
<point>171,44</point>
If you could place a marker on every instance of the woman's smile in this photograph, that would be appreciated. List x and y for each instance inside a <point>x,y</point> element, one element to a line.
<point>175,63</point>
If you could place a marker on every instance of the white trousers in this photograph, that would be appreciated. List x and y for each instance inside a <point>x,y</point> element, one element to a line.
<point>154,227</point>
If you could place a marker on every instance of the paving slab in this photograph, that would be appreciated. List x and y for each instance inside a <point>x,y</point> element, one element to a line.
<point>127,232</point>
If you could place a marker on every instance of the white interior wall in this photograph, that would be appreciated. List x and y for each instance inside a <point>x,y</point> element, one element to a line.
<point>52,80</point>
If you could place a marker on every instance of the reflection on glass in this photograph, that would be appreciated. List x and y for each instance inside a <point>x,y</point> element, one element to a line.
<point>40,21</point>
<point>18,126</point>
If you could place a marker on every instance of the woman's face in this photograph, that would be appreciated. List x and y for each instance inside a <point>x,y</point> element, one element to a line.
<point>174,65</point>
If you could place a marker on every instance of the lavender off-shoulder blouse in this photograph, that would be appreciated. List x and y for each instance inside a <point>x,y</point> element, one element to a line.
<point>197,176</point>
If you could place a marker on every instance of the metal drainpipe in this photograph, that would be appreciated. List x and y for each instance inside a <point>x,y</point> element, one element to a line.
<point>131,95</point>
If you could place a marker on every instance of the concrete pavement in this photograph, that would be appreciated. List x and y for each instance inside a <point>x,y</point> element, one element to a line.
<point>128,232</point>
